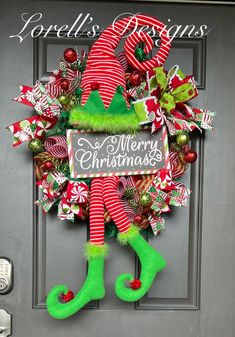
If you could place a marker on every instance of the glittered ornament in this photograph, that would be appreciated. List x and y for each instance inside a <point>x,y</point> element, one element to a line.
<point>70,55</point>
<point>182,138</point>
<point>145,199</point>
<point>64,84</point>
<point>190,156</point>
<point>135,284</point>
<point>140,54</point>
<point>67,297</point>
<point>137,219</point>
<point>63,99</point>
<point>49,166</point>
<point>78,92</point>
<point>35,145</point>
<point>141,221</point>
<point>135,78</point>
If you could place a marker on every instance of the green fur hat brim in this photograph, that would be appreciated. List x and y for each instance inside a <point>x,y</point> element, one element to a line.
<point>93,251</point>
<point>123,238</point>
<point>110,123</point>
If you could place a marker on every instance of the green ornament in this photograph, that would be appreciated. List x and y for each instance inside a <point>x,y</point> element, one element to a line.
<point>182,138</point>
<point>78,92</point>
<point>140,54</point>
<point>63,99</point>
<point>35,145</point>
<point>120,89</point>
<point>145,199</point>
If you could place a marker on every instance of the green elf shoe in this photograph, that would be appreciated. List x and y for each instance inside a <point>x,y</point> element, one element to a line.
<point>151,263</point>
<point>92,289</point>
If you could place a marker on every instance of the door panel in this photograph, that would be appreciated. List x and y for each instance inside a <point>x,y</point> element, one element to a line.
<point>193,295</point>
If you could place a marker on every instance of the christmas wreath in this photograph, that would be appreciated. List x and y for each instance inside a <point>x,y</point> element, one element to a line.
<point>112,94</point>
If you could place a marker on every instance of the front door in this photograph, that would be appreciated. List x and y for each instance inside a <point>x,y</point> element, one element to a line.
<point>194,295</point>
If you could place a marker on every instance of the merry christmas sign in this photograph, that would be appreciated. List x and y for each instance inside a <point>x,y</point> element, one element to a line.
<point>99,155</point>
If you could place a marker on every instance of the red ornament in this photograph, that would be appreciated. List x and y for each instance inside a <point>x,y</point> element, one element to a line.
<point>64,84</point>
<point>135,78</point>
<point>190,156</point>
<point>138,219</point>
<point>70,55</point>
<point>95,85</point>
<point>49,166</point>
<point>135,284</point>
<point>67,297</point>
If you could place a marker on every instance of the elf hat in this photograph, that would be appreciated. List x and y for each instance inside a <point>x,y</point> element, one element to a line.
<point>104,105</point>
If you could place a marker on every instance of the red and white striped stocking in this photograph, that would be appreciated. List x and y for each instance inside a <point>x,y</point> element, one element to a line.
<point>114,205</point>
<point>97,212</point>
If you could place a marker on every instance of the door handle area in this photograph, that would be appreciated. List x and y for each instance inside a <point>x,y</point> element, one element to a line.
<point>6,276</point>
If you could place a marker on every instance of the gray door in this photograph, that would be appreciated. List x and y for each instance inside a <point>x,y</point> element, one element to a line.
<point>194,296</point>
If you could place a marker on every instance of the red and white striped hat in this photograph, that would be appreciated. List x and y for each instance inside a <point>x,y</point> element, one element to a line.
<point>104,69</point>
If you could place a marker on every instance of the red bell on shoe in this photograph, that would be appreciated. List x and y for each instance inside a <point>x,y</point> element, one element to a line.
<point>67,297</point>
<point>135,284</point>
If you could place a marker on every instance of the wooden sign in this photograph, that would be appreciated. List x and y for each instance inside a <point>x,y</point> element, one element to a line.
<point>98,154</point>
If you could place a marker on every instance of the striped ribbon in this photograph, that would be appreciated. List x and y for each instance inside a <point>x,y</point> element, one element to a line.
<point>57,146</point>
<point>177,166</point>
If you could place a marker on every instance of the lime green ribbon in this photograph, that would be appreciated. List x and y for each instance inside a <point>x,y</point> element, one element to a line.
<point>172,87</point>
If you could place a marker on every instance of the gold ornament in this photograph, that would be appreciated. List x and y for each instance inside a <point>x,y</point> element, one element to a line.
<point>35,145</point>
<point>182,138</point>
<point>63,99</point>
<point>145,199</point>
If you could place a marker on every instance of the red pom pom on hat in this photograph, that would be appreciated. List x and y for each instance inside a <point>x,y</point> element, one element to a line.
<point>95,85</point>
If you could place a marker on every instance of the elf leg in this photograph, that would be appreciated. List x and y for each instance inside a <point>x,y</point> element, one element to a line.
<point>151,261</point>
<point>95,251</point>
